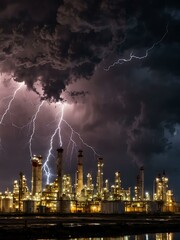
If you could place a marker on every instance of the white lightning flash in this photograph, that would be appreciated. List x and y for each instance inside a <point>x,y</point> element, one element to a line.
<point>74,145</point>
<point>71,140</point>
<point>10,102</point>
<point>33,120</point>
<point>132,56</point>
<point>57,130</point>
<point>79,136</point>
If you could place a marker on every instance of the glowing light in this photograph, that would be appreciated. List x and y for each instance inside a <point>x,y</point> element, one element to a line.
<point>79,136</point>
<point>58,129</point>
<point>71,140</point>
<point>33,120</point>
<point>74,145</point>
<point>10,102</point>
<point>132,56</point>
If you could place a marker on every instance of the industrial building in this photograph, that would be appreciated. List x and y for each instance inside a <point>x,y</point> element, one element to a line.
<point>84,195</point>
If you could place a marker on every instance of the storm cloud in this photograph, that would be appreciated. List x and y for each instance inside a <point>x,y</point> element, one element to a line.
<point>84,34</point>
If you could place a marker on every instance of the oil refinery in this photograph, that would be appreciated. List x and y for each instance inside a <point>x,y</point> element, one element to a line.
<point>85,196</point>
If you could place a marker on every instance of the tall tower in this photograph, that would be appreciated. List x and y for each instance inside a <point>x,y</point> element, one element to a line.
<point>20,187</point>
<point>164,186</point>
<point>36,175</point>
<point>139,188</point>
<point>142,183</point>
<point>136,189</point>
<point>79,173</point>
<point>89,181</point>
<point>67,185</point>
<point>59,171</point>
<point>157,188</point>
<point>161,187</point>
<point>107,185</point>
<point>89,187</point>
<point>117,184</point>
<point>100,175</point>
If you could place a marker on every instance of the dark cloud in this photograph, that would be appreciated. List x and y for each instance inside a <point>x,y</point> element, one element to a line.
<point>146,138</point>
<point>16,11</point>
<point>84,34</point>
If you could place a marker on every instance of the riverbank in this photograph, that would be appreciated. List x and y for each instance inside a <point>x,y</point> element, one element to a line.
<point>85,225</point>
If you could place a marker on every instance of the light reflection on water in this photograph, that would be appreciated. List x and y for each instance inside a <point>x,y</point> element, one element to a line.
<point>157,236</point>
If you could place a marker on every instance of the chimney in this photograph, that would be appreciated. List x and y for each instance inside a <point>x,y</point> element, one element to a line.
<point>59,170</point>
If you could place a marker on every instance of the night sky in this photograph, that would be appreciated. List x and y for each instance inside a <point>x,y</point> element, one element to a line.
<point>64,51</point>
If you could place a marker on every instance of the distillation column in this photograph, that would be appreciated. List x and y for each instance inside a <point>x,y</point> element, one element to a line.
<point>117,185</point>
<point>59,171</point>
<point>142,183</point>
<point>164,186</point>
<point>79,174</point>
<point>100,175</point>
<point>36,175</point>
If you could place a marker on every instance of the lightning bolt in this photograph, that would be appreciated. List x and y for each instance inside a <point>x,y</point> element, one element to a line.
<point>71,140</point>
<point>74,145</point>
<point>132,56</point>
<point>33,120</point>
<point>32,123</point>
<point>79,136</point>
<point>57,130</point>
<point>10,102</point>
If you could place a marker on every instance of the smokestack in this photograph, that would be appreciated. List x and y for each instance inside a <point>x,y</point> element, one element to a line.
<point>100,175</point>
<point>79,173</point>
<point>36,175</point>
<point>59,170</point>
<point>20,190</point>
<point>142,183</point>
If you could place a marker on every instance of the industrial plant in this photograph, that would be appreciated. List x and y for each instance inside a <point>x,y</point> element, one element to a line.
<point>85,196</point>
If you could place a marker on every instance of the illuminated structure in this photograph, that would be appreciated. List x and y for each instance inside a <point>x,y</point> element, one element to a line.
<point>89,188</point>
<point>20,192</point>
<point>6,201</point>
<point>139,188</point>
<point>162,194</point>
<point>61,195</point>
<point>79,175</point>
<point>117,186</point>
<point>161,187</point>
<point>36,176</point>
<point>106,190</point>
<point>49,197</point>
<point>164,236</point>
<point>67,186</point>
<point>142,183</point>
<point>117,192</point>
<point>99,183</point>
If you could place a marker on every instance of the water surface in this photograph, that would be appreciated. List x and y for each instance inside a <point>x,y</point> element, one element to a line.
<point>156,236</point>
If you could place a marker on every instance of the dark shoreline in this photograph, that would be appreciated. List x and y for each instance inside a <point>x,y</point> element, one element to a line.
<point>64,226</point>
